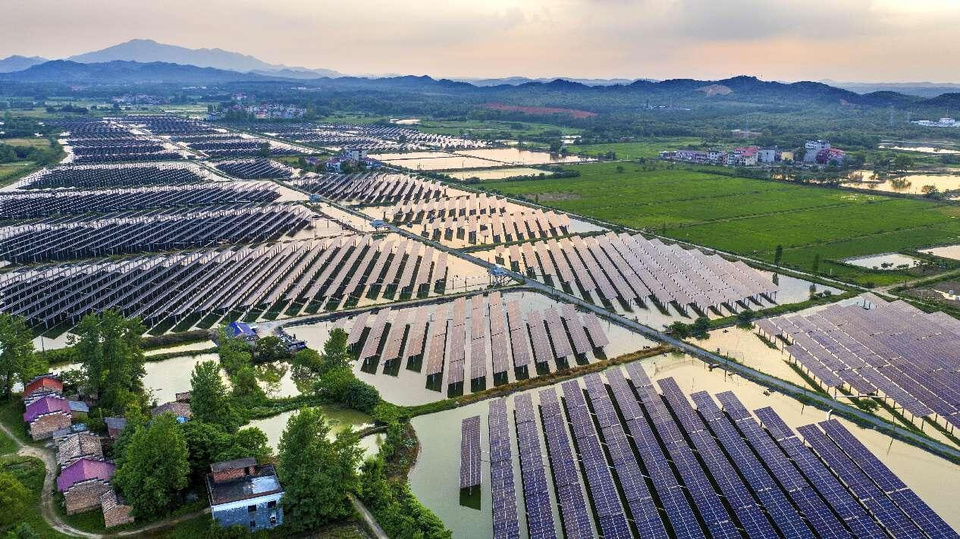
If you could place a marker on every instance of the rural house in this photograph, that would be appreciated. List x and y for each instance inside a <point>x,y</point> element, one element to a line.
<point>242,493</point>
<point>83,482</point>
<point>47,415</point>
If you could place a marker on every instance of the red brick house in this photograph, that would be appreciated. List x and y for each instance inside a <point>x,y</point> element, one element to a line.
<point>83,482</point>
<point>43,385</point>
<point>47,415</point>
<point>115,512</point>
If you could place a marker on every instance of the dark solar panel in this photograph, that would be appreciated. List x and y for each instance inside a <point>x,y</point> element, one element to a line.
<point>470,452</point>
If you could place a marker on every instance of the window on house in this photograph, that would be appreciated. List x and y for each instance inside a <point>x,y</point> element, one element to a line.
<point>272,503</point>
<point>251,508</point>
<point>253,523</point>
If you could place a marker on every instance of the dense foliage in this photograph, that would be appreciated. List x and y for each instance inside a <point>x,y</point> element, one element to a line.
<point>18,362</point>
<point>154,467</point>
<point>316,473</point>
<point>108,346</point>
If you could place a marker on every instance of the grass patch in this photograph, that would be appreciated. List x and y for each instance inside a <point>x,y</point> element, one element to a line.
<point>7,444</point>
<point>11,415</point>
<point>30,471</point>
<point>634,150</point>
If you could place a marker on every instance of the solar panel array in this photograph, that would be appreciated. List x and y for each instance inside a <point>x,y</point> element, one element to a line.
<point>653,464</point>
<point>26,205</point>
<point>632,269</point>
<point>255,169</point>
<point>495,338</point>
<point>892,350</point>
<point>110,176</point>
<point>71,238</point>
<point>470,452</point>
<point>502,489</point>
<point>366,137</point>
<point>371,187</point>
<point>299,276</point>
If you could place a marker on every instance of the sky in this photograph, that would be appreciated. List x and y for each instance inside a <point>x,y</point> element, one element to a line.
<point>840,40</point>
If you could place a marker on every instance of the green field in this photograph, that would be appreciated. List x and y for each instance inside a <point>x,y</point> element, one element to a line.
<point>749,217</point>
<point>30,472</point>
<point>633,150</point>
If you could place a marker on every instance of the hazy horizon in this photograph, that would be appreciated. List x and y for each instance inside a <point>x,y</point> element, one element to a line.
<point>862,41</point>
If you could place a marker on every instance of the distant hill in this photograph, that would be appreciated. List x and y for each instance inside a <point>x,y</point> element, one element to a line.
<point>19,63</point>
<point>148,51</point>
<point>516,81</point>
<point>121,72</point>
<point>920,89</point>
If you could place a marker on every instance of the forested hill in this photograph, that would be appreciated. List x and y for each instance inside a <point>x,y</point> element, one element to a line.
<point>742,91</point>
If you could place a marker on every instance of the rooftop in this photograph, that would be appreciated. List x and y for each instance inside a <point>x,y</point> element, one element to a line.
<point>233,464</point>
<point>264,481</point>
<point>45,406</point>
<point>84,469</point>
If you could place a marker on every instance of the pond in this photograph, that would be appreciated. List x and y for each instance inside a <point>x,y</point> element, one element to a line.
<point>884,261</point>
<point>434,479</point>
<point>921,148</point>
<point>948,251</point>
<point>498,173</point>
<point>456,162</point>
<point>516,156</point>
<point>912,184</point>
<point>338,419</point>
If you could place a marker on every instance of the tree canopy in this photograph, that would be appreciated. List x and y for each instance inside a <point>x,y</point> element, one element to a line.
<point>154,467</point>
<point>316,473</point>
<point>209,399</point>
<point>109,349</point>
<point>18,362</point>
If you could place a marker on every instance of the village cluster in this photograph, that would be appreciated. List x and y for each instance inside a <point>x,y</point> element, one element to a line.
<point>815,152</point>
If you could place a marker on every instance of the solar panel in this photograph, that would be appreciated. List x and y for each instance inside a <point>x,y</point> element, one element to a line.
<point>505,522</point>
<point>470,452</point>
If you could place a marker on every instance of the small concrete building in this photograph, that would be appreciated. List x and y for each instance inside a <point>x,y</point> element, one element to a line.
<point>83,482</point>
<point>242,493</point>
<point>47,415</point>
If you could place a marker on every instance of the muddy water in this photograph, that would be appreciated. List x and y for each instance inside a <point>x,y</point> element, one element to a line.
<point>497,173</point>
<point>877,261</point>
<point>520,157</point>
<point>949,251</point>
<point>435,477</point>
<point>910,184</point>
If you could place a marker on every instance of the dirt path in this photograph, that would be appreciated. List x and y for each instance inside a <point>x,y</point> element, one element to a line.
<point>50,514</point>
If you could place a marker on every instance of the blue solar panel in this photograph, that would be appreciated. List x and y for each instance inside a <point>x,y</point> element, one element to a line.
<point>603,492</point>
<point>887,482</point>
<point>532,473</point>
<point>505,522</point>
<point>566,476</point>
<point>682,518</point>
<point>885,512</point>
<point>745,507</point>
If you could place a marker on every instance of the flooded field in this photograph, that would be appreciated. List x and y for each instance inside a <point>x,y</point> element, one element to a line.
<point>406,384</point>
<point>947,251</point>
<point>516,156</point>
<point>435,477</point>
<point>913,184</point>
<point>885,261</point>
<point>455,162</point>
<point>921,148</point>
<point>497,173</point>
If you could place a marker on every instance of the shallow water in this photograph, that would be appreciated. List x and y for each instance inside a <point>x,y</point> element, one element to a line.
<point>920,149</point>
<point>909,184</point>
<point>877,261</point>
<point>338,419</point>
<point>497,173</point>
<point>520,157</point>
<point>947,251</point>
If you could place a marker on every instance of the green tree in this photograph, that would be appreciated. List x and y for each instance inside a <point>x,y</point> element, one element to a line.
<point>264,150</point>
<point>109,349</point>
<point>209,399</point>
<point>154,467</point>
<point>679,330</point>
<point>270,348</point>
<point>22,531</point>
<point>745,318</point>
<point>903,162</point>
<point>700,327</point>
<point>205,443</point>
<point>778,255</point>
<point>316,473</point>
<point>245,384</point>
<point>13,498</point>
<point>335,352</point>
<point>234,353</point>
<point>333,384</point>
<point>247,442</point>
<point>360,395</point>
<point>18,362</point>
